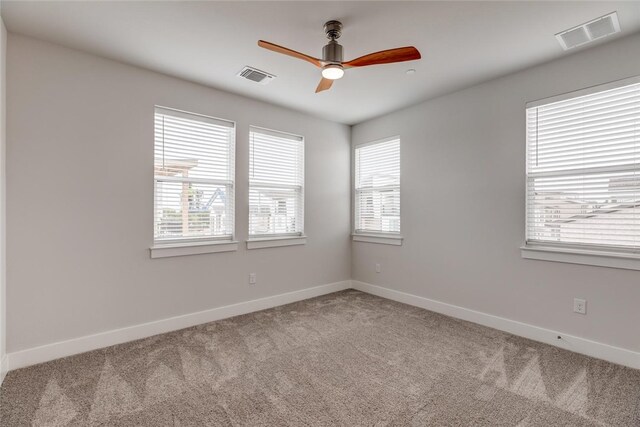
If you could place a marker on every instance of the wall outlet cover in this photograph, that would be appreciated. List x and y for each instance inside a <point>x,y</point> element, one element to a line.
<point>580,305</point>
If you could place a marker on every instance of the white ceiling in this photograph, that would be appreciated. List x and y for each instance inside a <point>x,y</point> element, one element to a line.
<point>462,43</point>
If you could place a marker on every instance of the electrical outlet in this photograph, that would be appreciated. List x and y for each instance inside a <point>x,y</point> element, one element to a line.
<point>580,306</point>
<point>252,278</point>
<point>377,268</point>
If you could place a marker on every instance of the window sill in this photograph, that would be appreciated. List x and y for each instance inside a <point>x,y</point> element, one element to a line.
<point>274,242</point>
<point>627,261</point>
<point>377,238</point>
<point>192,248</point>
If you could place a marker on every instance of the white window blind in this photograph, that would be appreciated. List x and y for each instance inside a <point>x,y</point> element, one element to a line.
<point>276,183</point>
<point>377,187</point>
<point>583,170</point>
<point>194,177</point>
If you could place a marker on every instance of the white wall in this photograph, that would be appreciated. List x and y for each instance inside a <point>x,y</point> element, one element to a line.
<point>80,199</point>
<point>3,181</point>
<point>463,206</point>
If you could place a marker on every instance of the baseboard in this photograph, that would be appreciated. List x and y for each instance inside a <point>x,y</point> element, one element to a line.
<point>45,353</point>
<point>3,368</point>
<point>584,346</point>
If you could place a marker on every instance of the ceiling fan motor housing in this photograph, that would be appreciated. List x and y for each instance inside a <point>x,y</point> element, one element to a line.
<point>332,52</point>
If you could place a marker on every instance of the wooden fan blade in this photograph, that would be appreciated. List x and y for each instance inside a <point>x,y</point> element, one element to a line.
<point>324,85</point>
<point>290,52</point>
<point>400,54</point>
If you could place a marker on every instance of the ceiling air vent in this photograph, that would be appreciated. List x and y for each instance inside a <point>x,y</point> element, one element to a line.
<point>256,75</point>
<point>589,31</point>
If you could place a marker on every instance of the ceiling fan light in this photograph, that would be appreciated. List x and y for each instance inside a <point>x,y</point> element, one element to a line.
<point>332,72</point>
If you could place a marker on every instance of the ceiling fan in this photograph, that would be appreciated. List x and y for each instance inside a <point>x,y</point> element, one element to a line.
<point>331,63</point>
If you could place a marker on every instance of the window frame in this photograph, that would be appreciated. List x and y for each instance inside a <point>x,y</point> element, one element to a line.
<point>575,253</point>
<point>379,237</point>
<point>204,244</point>
<point>269,240</point>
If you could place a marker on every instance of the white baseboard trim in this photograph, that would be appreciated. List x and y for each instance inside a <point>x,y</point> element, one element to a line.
<point>3,368</point>
<point>584,346</point>
<point>48,352</point>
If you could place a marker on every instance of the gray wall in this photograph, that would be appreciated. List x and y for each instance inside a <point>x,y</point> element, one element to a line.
<point>3,182</point>
<point>463,206</point>
<point>80,199</point>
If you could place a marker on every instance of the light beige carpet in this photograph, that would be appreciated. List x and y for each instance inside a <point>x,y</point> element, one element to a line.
<point>347,359</point>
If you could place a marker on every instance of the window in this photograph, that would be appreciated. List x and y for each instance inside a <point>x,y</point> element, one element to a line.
<point>583,170</point>
<point>276,184</point>
<point>377,188</point>
<point>194,177</point>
